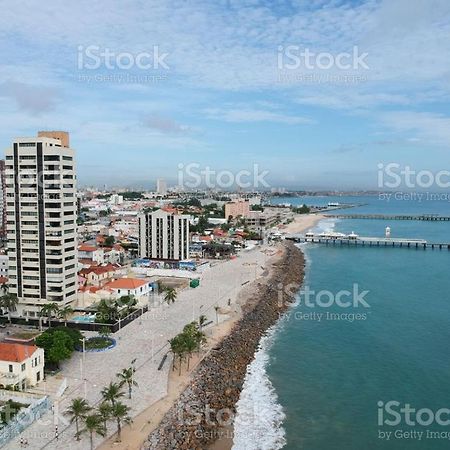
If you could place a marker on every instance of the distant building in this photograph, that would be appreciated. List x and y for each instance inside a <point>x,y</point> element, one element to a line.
<point>41,221</point>
<point>237,208</point>
<point>21,366</point>
<point>164,235</point>
<point>161,186</point>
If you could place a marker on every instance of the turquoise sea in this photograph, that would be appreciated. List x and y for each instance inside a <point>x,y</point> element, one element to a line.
<point>323,385</point>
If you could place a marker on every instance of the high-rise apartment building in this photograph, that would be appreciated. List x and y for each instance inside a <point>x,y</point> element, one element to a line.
<point>2,201</point>
<point>161,186</point>
<point>41,221</point>
<point>164,236</point>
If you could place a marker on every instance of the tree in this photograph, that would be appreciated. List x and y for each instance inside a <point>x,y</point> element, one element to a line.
<point>58,344</point>
<point>61,348</point>
<point>93,424</point>
<point>9,302</point>
<point>170,295</point>
<point>77,411</point>
<point>127,377</point>
<point>107,312</point>
<point>202,321</point>
<point>178,349</point>
<point>104,332</point>
<point>64,313</point>
<point>104,411</point>
<point>112,393</point>
<point>120,412</point>
<point>109,241</point>
<point>49,310</point>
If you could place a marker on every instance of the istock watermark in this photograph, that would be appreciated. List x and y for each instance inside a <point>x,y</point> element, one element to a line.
<point>413,422</point>
<point>348,305</point>
<point>94,57</point>
<point>394,175</point>
<point>194,175</point>
<point>293,57</point>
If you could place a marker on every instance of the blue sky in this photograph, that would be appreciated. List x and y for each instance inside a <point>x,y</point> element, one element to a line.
<point>221,98</point>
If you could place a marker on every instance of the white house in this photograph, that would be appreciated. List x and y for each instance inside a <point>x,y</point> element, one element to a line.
<point>138,287</point>
<point>91,253</point>
<point>21,366</point>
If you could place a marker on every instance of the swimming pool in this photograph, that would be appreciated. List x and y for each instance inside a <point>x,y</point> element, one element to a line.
<point>84,319</point>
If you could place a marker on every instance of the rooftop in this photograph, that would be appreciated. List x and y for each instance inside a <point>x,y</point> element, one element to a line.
<point>16,352</point>
<point>126,283</point>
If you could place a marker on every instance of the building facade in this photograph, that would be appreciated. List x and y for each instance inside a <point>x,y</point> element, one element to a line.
<point>21,366</point>
<point>2,201</point>
<point>41,221</point>
<point>164,236</point>
<point>237,208</point>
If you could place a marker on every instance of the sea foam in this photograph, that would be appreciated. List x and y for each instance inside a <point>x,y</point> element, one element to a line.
<point>259,418</point>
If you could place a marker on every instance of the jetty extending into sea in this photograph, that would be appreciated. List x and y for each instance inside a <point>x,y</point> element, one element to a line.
<point>369,242</point>
<point>422,217</point>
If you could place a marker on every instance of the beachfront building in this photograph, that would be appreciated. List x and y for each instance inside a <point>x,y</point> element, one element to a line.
<point>2,201</point>
<point>240,207</point>
<point>21,366</point>
<point>41,221</point>
<point>164,236</point>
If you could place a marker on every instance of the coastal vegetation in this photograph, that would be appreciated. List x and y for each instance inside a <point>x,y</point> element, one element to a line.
<point>184,344</point>
<point>58,344</point>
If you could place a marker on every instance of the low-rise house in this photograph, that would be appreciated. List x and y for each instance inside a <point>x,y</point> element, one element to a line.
<point>91,253</point>
<point>138,287</point>
<point>21,366</point>
<point>98,275</point>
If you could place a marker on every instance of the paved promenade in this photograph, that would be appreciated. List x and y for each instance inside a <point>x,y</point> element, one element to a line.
<point>145,340</point>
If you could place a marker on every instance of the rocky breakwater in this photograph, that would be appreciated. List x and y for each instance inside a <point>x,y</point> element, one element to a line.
<point>208,403</point>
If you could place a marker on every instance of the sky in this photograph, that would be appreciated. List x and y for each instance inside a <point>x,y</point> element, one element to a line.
<point>310,94</point>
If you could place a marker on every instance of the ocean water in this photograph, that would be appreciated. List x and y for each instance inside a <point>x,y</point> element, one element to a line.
<point>326,382</point>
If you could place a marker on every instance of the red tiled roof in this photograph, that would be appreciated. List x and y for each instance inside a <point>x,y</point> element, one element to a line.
<point>15,352</point>
<point>126,283</point>
<point>3,280</point>
<point>87,248</point>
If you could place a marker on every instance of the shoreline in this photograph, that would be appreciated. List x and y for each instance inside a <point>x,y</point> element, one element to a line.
<point>196,419</point>
<point>149,419</point>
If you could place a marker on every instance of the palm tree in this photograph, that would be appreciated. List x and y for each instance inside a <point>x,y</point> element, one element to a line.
<point>104,411</point>
<point>9,302</point>
<point>93,424</point>
<point>120,413</point>
<point>64,313</point>
<point>178,349</point>
<point>49,309</point>
<point>127,377</point>
<point>202,321</point>
<point>190,345</point>
<point>170,295</point>
<point>112,393</point>
<point>78,410</point>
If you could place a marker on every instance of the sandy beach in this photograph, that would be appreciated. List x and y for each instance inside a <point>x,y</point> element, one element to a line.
<point>301,223</point>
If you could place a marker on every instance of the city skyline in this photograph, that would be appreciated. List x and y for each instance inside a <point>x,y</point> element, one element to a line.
<point>218,85</point>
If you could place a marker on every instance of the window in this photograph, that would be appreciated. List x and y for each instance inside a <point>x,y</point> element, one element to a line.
<point>26,144</point>
<point>23,367</point>
<point>10,368</point>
